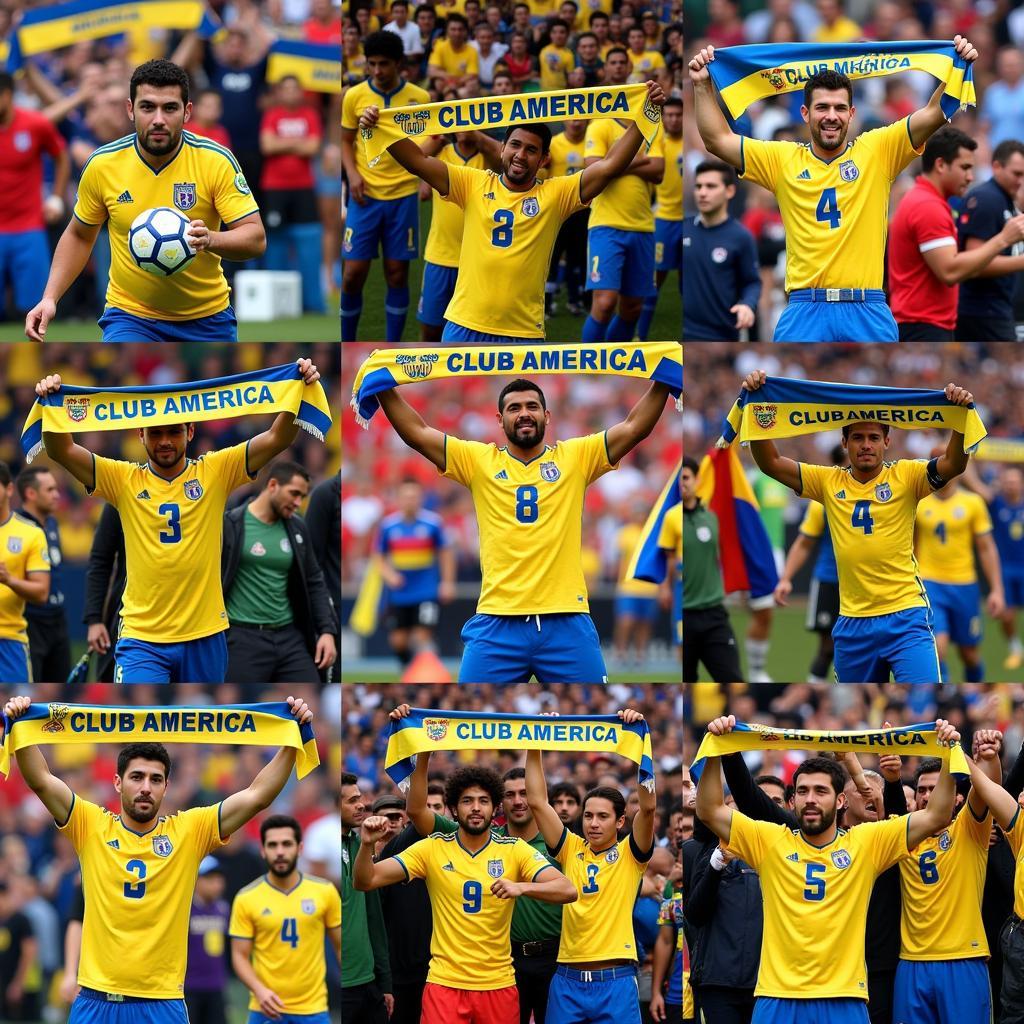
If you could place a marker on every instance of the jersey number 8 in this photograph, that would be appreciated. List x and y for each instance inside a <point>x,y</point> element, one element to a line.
<point>526,504</point>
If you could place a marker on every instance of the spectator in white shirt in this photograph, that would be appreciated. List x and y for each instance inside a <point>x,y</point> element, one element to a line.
<point>490,52</point>
<point>406,30</point>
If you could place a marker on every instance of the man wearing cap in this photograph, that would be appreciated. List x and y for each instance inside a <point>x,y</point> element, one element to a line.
<point>206,975</point>
<point>392,808</point>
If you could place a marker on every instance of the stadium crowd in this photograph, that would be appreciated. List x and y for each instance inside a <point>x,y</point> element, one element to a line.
<point>40,875</point>
<point>81,91</point>
<point>754,224</point>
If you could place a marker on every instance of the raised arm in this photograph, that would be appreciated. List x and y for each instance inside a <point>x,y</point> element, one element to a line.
<point>368,874</point>
<point>54,793</point>
<point>416,799</point>
<point>764,453</point>
<point>410,427</point>
<point>987,743</point>
<point>431,170</point>
<point>282,433</point>
<point>625,436</point>
<point>719,139</point>
<point>954,460</point>
<point>924,123</point>
<point>643,820</point>
<point>549,823</point>
<point>1003,806</point>
<point>939,811</point>
<point>711,805</point>
<point>78,461</point>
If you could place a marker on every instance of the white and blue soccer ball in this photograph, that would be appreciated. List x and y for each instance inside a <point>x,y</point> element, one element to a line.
<point>159,241</point>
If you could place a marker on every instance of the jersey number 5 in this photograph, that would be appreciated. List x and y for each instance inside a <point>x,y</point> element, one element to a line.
<point>828,208</point>
<point>814,878</point>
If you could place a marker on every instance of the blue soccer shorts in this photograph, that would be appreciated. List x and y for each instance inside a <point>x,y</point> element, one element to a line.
<point>15,663</point>
<point>1013,586</point>
<point>437,291</point>
<point>956,611</point>
<point>204,660</point>
<point>255,1017</point>
<point>803,320</point>
<point>867,649</point>
<point>25,262</point>
<point>668,244</point>
<point>98,1010</point>
<point>809,1011</point>
<point>643,608</point>
<point>621,261</point>
<point>593,997</point>
<point>942,990</point>
<point>391,225</point>
<point>459,334</point>
<point>118,325</point>
<point>510,648</point>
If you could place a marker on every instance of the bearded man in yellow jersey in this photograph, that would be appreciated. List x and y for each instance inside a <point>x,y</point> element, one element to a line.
<point>138,873</point>
<point>812,971</point>
<point>472,877</point>
<point>533,614</point>
<point>511,223</point>
<point>942,973</point>
<point>173,618</point>
<point>884,622</point>
<point>595,982</point>
<point>833,195</point>
<point>950,524</point>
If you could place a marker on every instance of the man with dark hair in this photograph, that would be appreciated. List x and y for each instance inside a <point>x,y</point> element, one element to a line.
<point>924,264</point>
<point>383,212</point>
<point>283,622</point>
<point>564,798</point>
<point>533,614</point>
<point>512,221</point>
<point>833,195</point>
<point>453,63</point>
<point>278,926</point>
<point>722,283</point>
<point>121,181</point>
<point>139,870</point>
<point>986,307</point>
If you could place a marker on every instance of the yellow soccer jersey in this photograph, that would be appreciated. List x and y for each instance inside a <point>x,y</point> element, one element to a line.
<point>444,242</point>
<point>944,538</point>
<point>172,538</point>
<point>388,179</point>
<point>23,549</point>
<point>599,925</point>
<point>813,523</point>
<point>455,65</point>
<point>138,893</point>
<point>566,157</point>
<point>872,528</point>
<point>836,214</point>
<point>668,196</point>
<point>625,543</point>
<point>530,519</point>
<point>287,930</point>
<point>815,903</point>
<point>645,65</point>
<point>506,249</point>
<point>469,947</point>
<point>204,182</point>
<point>626,203</point>
<point>555,64</point>
<point>1015,837</point>
<point>947,870</point>
<point>671,535</point>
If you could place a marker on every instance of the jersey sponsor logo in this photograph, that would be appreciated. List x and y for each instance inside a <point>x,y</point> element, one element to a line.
<point>883,492</point>
<point>531,207</point>
<point>849,171</point>
<point>414,123</point>
<point>417,367</point>
<point>945,841</point>
<point>435,728</point>
<point>719,254</point>
<point>76,408</point>
<point>162,846</point>
<point>765,416</point>
<point>125,197</point>
<point>58,712</point>
<point>841,859</point>
<point>14,545</point>
<point>308,907</point>
<point>612,855</point>
<point>184,194</point>
<point>496,868</point>
<point>258,550</point>
<point>193,490</point>
<point>549,472</point>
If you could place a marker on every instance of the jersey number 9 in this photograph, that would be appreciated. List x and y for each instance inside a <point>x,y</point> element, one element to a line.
<point>472,897</point>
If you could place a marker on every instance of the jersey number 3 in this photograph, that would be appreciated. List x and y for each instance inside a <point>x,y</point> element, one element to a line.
<point>172,533</point>
<point>828,208</point>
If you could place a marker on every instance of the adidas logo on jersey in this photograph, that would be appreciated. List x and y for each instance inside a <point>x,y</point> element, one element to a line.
<point>142,496</point>
<point>448,867</point>
<point>841,495</point>
<point>114,844</point>
<point>501,476</point>
<point>488,195</point>
<point>125,197</point>
<point>804,175</point>
<point>794,856</point>
<point>266,912</point>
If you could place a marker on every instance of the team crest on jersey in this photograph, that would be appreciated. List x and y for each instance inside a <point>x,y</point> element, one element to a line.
<point>193,489</point>
<point>849,171</point>
<point>945,842</point>
<point>14,545</point>
<point>883,492</point>
<point>162,846</point>
<point>22,142</point>
<point>549,471</point>
<point>242,185</point>
<point>76,408</point>
<point>495,868</point>
<point>774,78</point>
<point>58,712</point>
<point>719,254</point>
<point>765,416</point>
<point>308,907</point>
<point>841,859</point>
<point>417,367</point>
<point>413,124</point>
<point>704,534</point>
<point>435,728</point>
<point>184,194</point>
<point>612,855</point>
<point>531,207</point>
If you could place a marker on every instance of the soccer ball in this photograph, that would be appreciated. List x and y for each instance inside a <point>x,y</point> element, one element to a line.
<point>158,241</point>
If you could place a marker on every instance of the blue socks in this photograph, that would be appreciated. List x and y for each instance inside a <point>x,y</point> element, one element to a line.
<point>351,307</point>
<point>620,330</point>
<point>976,674</point>
<point>593,330</point>
<point>643,327</point>
<point>396,305</point>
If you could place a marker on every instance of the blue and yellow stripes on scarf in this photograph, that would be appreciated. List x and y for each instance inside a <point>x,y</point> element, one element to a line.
<point>277,389</point>
<point>784,407</point>
<point>745,74</point>
<point>649,562</point>
<point>388,368</point>
<point>51,26</point>
<point>249,725</point>
<point>317,66</point>
<point>427,729</point>
<point>905,740</point>
<point>1001,449</point>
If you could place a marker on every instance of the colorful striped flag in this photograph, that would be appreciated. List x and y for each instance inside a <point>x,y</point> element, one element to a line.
<point>649,562</point>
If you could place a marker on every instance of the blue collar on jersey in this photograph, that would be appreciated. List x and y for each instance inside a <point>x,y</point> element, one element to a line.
<point>504,448</point>
<point>505,184</point>
<point>386,96</point>
<point>138,153</point>
<point>482,848</point>
<point>167,480</point>
<point>283,892</point>
<point>133,832</point>
<point>834,159</point>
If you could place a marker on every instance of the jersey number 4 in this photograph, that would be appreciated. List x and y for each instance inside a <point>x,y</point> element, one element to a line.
<point>828,208</point>
<point>290,931</point>
<point>862,517</point>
